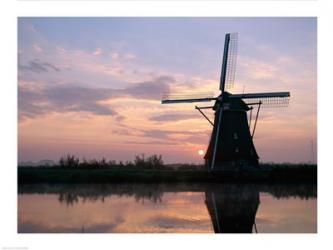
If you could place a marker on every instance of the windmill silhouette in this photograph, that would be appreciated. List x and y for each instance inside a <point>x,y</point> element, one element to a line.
<point>231,144</point>
<point>233,208</point>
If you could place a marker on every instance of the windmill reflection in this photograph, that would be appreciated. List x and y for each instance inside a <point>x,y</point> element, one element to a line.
<point>233,208</point>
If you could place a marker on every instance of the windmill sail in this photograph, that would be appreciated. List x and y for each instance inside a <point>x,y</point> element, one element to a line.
<point>229,62</point>
<point>270,99</point>
<point>232,59</point>
<point>187,98</point>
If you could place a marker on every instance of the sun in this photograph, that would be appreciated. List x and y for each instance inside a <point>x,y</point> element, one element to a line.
<point>201,152</point>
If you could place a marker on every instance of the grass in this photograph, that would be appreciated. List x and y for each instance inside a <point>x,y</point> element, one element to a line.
<point>110,175</point>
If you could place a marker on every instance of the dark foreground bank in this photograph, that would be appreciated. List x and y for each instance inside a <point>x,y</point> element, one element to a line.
<point>266,173</point>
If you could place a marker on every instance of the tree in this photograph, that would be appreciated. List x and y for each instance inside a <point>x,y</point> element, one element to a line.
<point>69,161</point>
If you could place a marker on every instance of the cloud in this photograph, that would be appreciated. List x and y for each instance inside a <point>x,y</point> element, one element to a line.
<point>161,136</point>
<point>97,52</point>
<point>32,28</point>
<point>78,99</point>
<point>176,137</point>
<point>42,100</point>
<point>129,56</point>
<point>27,103</point>
<point>62,99</point>
<point>151,89</point>
<point>152,142</point>
<point>38,67</point>
<point>153,133</point>
<point>37,48</point>
<point>173,117</point>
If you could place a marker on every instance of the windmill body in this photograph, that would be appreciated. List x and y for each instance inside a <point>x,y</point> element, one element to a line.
<point>234,144</point>
<point>231,143</point>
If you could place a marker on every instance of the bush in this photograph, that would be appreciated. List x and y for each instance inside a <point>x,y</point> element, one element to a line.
<point>152,162</point>
<point>155,161</point>
<point>69,161</point>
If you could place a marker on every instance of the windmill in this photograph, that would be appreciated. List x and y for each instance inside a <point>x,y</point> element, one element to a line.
<point>231,143</point>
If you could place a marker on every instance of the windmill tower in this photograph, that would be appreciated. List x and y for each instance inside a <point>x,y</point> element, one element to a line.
<point>231,144</point>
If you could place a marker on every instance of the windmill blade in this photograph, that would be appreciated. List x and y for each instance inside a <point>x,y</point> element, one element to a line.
<point>229,61</point>
<point>170,101</point>
<point>261,95</point>
<point>267,100</point>
<point>188,98</point>
<point>232,59</point>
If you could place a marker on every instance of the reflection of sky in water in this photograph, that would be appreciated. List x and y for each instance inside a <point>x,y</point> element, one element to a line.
<point>286,215</point>
<point>176,212</point>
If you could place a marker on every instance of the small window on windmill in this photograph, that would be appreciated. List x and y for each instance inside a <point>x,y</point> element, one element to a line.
<point>237,150</point>
<point>226,106</point>
<point>235,136</point>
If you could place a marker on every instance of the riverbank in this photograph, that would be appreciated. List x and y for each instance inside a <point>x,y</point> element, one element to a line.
<point>266,173</point>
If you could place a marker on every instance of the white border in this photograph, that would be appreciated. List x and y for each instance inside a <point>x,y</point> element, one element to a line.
<point>10,9</point>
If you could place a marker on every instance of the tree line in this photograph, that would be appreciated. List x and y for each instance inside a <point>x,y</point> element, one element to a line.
<point>140,161</point>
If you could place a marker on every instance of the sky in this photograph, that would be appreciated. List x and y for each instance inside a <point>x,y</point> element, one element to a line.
<point>92,87</point>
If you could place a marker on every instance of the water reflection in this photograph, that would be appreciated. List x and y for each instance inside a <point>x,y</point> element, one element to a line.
<point>227,208</point>
<point>233,208</point>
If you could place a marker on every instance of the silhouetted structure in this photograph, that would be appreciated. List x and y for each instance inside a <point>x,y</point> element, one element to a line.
<point>231,146</point>
<point>233,208</point>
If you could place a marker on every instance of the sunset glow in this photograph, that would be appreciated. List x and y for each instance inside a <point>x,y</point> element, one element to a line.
<point>92,86</point>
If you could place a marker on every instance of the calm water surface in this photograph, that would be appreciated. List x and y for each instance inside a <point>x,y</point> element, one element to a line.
<point>200,208</point>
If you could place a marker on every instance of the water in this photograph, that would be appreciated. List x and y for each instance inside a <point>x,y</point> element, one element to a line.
<point>172,208</point>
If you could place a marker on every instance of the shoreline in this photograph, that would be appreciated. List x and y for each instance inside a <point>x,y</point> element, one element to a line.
<point>297,173</point>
